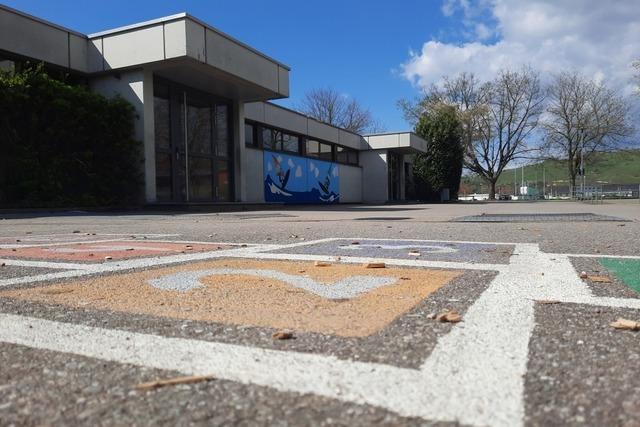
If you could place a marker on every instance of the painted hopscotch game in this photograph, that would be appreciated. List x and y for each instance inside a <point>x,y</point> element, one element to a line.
<point>336,299</point>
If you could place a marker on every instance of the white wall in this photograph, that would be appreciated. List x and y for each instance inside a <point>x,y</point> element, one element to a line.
<point>350,184</point>
<point>374,176</point>
<point>253,176</point>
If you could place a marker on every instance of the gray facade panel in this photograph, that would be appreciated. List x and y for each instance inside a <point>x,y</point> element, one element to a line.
<point>350,184</point>
<point>34,39</point>
<point>239,61</point>
<point>196,40</point>
<point>323,131</point>
<point>78,53</point>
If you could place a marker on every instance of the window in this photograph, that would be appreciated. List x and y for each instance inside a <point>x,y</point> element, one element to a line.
<point>312,148</point>
<point>249,135</point>
<point>319,150</point>
<point>269,139</point>
<point>326,152</point>
<point>259,136</point>
<point>346,155</point>
<point>290,143</point>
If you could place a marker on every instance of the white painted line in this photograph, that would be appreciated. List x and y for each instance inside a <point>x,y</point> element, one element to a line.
<point>428,241</point>
<point>401,390</point>
<point>474,376</point>
<point>38,245</point>
<point>123,265</point>
<point>363,260</point>
<point>600,256</point>
<point>44,264</point>
<point>96,239</point>
<point>43,277</point>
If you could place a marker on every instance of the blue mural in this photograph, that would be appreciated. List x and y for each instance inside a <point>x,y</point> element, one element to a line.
<point>293,179</point>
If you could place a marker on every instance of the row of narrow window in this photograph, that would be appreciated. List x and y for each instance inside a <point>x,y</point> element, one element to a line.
<point>267,138</point>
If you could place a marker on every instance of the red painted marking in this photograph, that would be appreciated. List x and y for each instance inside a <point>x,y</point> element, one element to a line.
<point>97,252</point>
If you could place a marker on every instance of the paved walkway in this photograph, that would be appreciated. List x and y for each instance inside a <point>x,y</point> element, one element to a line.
<point>88,316</point>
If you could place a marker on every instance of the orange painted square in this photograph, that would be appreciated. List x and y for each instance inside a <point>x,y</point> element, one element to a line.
<point>242,299</point>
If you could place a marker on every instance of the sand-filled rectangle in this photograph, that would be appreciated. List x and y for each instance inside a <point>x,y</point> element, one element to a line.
<point>252,299</point>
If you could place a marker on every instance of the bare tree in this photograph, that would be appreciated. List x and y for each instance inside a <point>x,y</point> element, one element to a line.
<point>329,106</point>
<point>512,102</point>
<point>583,117</point>
<point>497,117</point>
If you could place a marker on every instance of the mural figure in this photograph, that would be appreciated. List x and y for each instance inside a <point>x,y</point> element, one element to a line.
<point>294,179</point>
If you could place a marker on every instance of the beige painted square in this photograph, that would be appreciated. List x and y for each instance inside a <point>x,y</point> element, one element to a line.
<point>254,301</point>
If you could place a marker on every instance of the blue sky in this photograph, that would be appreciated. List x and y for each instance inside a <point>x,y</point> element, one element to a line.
<point>338,44</point>
<point>381,51</point>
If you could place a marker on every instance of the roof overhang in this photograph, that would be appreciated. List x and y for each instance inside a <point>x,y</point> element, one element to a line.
<point>179,45</point>
<point>175,45</point>
<point>405,142</point>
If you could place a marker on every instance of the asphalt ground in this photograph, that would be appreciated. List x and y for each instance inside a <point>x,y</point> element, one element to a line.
<point>534,345</point>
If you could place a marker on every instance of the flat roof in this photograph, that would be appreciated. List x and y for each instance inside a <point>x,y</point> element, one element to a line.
<point>40,20</point>
<point>178,16</point>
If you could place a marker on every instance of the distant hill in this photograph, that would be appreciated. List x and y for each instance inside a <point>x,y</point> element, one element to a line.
<point>622,167</point>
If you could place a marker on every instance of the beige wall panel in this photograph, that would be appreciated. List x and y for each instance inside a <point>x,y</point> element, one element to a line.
<point>374,176</point>
<point>284,119</point>
<point>134,47</point>
<point>323,131</point>
<point>175,39</point>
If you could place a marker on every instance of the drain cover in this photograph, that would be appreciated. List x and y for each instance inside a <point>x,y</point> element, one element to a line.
<point>543,217</point>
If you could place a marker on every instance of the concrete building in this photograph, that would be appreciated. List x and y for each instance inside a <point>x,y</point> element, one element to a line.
<point>210,133</point>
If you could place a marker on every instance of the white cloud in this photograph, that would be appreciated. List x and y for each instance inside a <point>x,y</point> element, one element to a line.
<point>598,38</point>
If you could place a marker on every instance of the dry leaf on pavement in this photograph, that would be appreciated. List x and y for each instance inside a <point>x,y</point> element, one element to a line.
<point>282,335</point>
<point>451,316</point>
<point>174,381</point>
<point>599,279</point>
<point>630,325</point>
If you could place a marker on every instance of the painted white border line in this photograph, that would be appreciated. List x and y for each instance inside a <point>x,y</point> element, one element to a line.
<point>109,237</point>
<point>44,264</point>
<point>362,260</point>
<point>600,256</point>
<point>431,241</point>
<point>124,265</point>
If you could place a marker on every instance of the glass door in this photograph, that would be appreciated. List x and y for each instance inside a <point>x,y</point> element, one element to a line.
<point>393,165</point>
<point>193,145</point>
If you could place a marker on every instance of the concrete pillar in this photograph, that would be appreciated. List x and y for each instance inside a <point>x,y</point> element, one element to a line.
<point>149,138</point>
<point>135,86</point>
<point>240,184</point>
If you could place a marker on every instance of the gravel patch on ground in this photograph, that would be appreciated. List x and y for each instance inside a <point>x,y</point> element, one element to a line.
<point>97,393</point>
<point>592,267</point>
<point>581,371</point>
<point>13,271</point>
<point>405,342</point>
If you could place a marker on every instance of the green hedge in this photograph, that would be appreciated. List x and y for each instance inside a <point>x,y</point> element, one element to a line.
<point>62,145</point>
